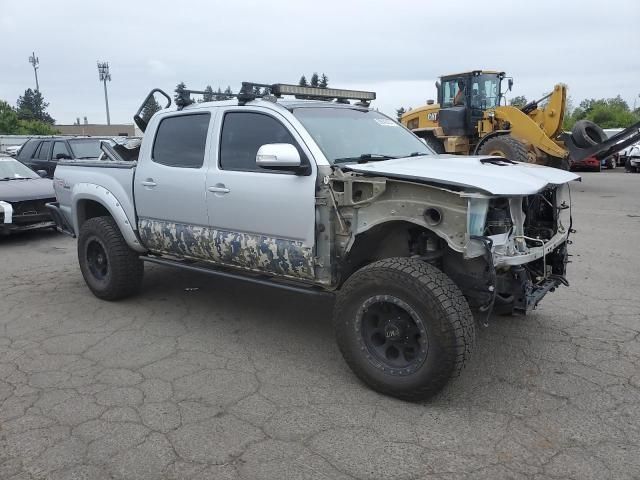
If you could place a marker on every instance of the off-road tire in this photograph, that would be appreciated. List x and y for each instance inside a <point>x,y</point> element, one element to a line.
<point>435,144</point>
<point>124,271</point>
<point>440,306</point>
<point>587,134</point>
<point>505,146</point>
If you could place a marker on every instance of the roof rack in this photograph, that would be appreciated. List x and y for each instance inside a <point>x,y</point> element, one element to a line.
<point>276,90</point>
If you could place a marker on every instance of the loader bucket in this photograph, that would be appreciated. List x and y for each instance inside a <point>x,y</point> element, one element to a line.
<point>616,143</point>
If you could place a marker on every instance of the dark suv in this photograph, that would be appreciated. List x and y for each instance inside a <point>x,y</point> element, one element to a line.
<point>44,153</point>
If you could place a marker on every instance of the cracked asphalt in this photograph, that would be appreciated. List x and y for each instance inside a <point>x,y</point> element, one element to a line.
<point>233,381</point>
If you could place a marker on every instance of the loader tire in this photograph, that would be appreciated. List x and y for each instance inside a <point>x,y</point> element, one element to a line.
<point>587,134</point>
<point>403,327</point>
<point>110,268</point>
<point>505,146</point>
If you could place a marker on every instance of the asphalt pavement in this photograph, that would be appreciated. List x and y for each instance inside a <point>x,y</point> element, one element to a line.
<point>200,378</point>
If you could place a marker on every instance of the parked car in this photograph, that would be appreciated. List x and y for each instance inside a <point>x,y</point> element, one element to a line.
<point>624,154</point>
<point>591,164</point>
<point>13,150</point>
<point>327,197</point>
<point>23,196</point>
<point>44,153</point>
<point>632,159</point>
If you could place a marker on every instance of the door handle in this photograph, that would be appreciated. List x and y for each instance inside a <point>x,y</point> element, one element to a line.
<point>148,182</point>
<point>218,189</point>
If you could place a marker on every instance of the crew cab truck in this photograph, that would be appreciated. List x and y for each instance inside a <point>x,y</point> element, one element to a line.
<point>325,195</point>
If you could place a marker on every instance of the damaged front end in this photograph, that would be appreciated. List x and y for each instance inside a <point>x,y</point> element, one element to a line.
<point>517,249</point>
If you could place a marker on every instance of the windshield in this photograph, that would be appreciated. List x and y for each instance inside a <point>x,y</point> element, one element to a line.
<point>87,147</point>
<point>349,134</point>
<point>485,91</point>
<point>12,169</point>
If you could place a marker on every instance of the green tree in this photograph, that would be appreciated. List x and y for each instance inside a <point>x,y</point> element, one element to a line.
<point>518,101</point>
<point>182,97</point>
<point>31,106</point>
<point>227,93</point>
<point>10,124</point>
<point>606,112</point>
<point>303,81</point>
<point>315,80</point>
<point>152,106</point>
<point>8,119</point>
<point>208,94</point>
<point>399,112</point>
<point>324,81</point>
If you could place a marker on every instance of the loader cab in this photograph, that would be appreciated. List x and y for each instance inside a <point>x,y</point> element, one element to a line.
<point>464,98</point>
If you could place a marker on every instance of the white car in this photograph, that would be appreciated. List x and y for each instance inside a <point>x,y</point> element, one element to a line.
<point>632,159</point>
<point>13,150</point>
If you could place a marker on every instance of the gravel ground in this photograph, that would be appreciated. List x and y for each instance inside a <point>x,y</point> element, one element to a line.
<point>233,381</point>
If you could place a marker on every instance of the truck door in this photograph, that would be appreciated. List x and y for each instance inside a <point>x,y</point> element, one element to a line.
<point>169,183</point>
<point>260,219</point>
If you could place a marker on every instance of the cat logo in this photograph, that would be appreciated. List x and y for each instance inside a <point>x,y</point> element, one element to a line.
<point>432,117</point>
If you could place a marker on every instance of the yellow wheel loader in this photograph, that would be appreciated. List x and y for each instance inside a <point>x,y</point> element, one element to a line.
<point>471,117</point>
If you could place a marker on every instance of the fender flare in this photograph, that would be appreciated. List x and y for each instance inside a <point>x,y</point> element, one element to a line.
<point>99,194</point>
<point>489,136</point>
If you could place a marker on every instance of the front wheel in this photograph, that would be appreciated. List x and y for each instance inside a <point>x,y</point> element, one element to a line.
<point>110,268</point>
<point>403,327</point>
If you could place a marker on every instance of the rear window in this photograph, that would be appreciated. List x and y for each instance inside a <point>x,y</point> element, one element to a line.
<point>28,148</point>
<point>180,141</point>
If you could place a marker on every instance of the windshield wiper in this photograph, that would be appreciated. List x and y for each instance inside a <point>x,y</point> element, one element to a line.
<point>366,157</point>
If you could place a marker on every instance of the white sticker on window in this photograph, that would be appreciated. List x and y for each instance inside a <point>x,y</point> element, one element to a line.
<point>386,122</point>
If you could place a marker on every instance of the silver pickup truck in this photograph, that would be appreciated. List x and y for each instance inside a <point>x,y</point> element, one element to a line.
<point>326,195</point>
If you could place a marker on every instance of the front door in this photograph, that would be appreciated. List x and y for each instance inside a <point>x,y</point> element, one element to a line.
<point>169,185</point>
<point>263,220</point>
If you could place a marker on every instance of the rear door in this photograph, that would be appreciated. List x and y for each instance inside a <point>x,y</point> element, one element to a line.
<point>169,183</point>
<point>260,219</point>
<point>40,158</point>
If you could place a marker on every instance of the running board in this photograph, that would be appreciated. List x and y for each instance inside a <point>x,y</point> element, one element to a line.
<point>236,276</point>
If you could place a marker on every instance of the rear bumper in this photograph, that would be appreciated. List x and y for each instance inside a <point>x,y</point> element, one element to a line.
<point>61,223</point>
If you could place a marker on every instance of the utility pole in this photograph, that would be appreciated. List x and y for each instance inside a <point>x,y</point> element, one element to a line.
<point>33,60</point>
<point>103,71</point>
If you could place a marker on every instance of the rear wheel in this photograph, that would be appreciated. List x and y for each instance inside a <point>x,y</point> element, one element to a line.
<point>110,268</point>
<point>505,146</point>
<point>403,327</point>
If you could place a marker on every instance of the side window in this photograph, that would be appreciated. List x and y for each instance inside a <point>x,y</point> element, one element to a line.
<point>43,151</point>
<point>243,133</point>
<point>413,123</point>
<point>60,148</point>
<point>180,141</point>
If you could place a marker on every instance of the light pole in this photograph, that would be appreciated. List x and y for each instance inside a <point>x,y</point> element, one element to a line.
<point>103,71</point>
<point>33,60</point>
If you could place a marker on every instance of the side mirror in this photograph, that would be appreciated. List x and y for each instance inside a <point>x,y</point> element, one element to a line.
<point>62,156</point>
<point>42,173</point>
<point>279,156</point>
<point>437,85</point>
<point>510,83</point>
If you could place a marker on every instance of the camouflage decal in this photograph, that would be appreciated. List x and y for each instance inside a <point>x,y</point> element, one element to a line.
<point>254,252</point>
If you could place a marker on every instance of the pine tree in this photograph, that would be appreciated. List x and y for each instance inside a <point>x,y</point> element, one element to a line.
<point>324,81</point>
<point>315,79</point>
<point>208,94</point>
<point>227,91</point>
<point>303,81</point>
<point>31,106</point>
<point>399,112</point>
<point>152,106</point>
<point>182,99</point>
<point>219,95</point>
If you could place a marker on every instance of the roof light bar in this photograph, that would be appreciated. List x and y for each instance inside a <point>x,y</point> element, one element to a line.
<point>321,93</point>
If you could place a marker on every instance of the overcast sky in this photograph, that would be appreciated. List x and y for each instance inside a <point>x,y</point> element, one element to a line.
<point>397,48</point>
